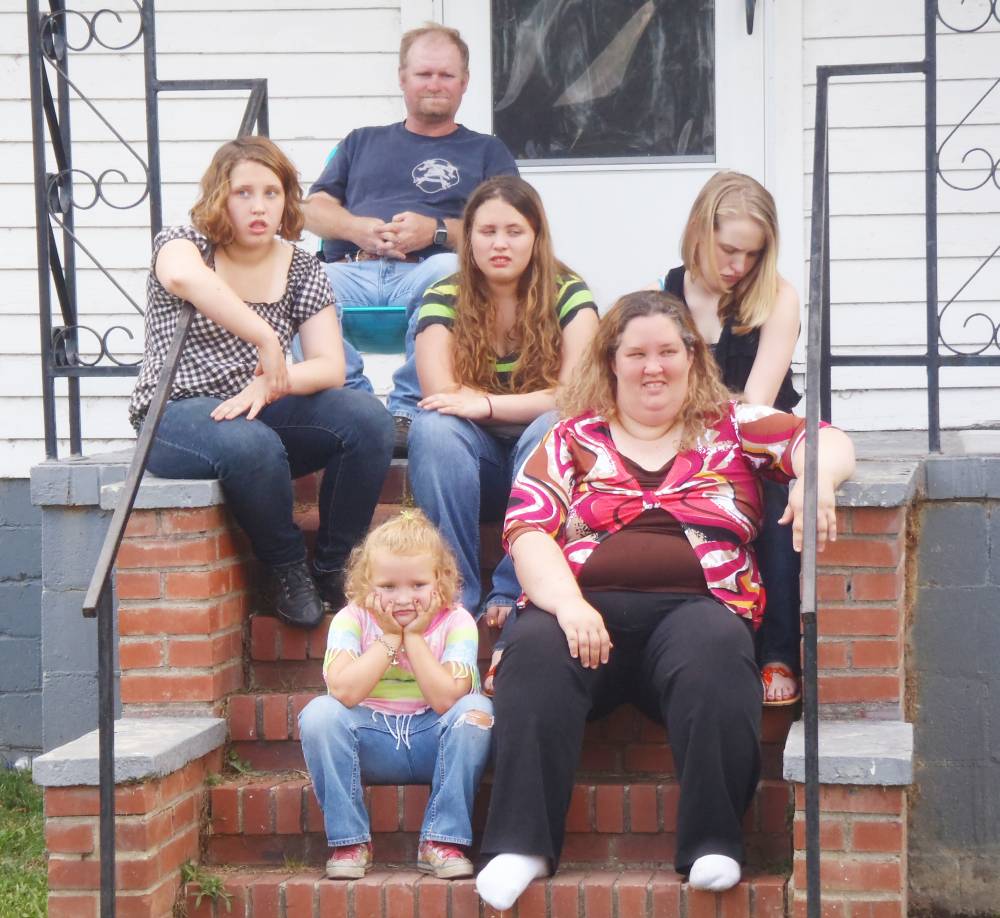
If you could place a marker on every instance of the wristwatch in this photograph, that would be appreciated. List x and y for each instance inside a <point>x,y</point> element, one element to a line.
<point>441,233</point>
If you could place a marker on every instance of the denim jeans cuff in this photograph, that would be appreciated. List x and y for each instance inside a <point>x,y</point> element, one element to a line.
<point>352,840</point>
<point>446,839</point>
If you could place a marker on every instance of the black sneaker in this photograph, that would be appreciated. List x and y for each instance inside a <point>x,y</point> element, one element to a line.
<point>296,600</point>
<point>330,585</point>
<point>401,434</point>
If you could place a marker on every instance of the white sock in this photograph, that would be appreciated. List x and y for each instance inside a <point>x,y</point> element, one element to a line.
<point>714,872</point>
<point>505,877</point>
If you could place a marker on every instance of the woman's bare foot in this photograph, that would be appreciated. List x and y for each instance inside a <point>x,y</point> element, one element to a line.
<point>781,686</point>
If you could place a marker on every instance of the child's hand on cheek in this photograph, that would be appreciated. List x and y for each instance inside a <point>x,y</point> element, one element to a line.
<point>382,610</point>
<point>423,619</point>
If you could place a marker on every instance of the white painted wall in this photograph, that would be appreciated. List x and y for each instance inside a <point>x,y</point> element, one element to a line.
<point>331,65</point>
<point>877,206</point>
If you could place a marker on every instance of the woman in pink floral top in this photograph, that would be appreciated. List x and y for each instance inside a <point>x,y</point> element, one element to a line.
<point>630,528</point>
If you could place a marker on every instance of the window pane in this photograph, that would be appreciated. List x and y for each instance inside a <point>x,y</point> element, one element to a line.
<point>589,79</point>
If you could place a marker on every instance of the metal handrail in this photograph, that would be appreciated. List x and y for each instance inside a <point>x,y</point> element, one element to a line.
<point>818,383</point>
<point>54,114</point>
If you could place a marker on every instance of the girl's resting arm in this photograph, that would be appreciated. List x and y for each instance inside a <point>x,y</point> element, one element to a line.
<point>777,344</point>
<point>435,369</point>
<point>548,582</point>
<point>351,679</point>
<point>323,349</point>
<point>525,407</point>
<point>836,464</point>
<point>179,267</point>
<point>438,682</point>
<point>182,272</point>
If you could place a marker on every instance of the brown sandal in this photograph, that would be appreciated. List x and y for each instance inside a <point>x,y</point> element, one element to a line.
<point>768,672</point>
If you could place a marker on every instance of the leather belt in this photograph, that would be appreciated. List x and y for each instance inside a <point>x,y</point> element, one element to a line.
<point>362,255</point>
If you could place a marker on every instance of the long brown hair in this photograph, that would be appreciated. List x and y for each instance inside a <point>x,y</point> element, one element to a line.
<point>209,214</point>
<point>595,387</point>
<point>537,334</point>
<point>733,194</point>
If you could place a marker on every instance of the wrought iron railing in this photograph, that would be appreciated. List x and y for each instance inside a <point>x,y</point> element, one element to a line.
<point>818,372</point>
<point>939,352</point>
<point>55,206</point>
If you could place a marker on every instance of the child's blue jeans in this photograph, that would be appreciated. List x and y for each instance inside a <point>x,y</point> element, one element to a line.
<point>346,748</point>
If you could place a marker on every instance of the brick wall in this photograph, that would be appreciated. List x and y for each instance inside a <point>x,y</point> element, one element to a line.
<point>863,837</point>
<point>157,825</point>
<point>183,586</point>
<point>861,595</point>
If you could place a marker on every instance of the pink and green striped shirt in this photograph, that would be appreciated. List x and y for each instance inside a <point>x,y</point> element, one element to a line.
<point>451,636</point>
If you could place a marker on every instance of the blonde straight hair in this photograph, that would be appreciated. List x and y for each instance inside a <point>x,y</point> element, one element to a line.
<point>726,195</point>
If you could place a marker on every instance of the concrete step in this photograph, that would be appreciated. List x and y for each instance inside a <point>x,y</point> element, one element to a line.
<point>271,819</point>
<point>384,893</point>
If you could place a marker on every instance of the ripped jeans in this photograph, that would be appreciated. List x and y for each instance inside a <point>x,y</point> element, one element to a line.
<point>346,748</point>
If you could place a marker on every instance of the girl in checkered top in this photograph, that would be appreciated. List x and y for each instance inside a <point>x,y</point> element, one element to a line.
<point>237,411</point>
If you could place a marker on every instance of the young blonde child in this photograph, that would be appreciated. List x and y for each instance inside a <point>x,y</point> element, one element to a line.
<point>403,705</point>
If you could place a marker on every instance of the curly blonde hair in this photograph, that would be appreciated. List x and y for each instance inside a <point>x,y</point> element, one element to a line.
<point>727,195</point>
<point>538,337</point>
<point>210,215</point>
<point>408,534</point>
<point>595,387</point>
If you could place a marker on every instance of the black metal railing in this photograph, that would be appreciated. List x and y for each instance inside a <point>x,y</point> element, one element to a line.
<point>939,352</point>
<point>820,360</point>
<point>63,191</point>
<point>55,205</point>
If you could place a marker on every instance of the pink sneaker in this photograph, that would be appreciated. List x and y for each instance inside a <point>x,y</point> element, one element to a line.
<point>443,860</point>
<point>349,862</point>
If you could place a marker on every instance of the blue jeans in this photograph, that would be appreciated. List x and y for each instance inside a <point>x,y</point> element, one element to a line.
<point>778,636</point>
<point>461,475</point>
<point>388,282</point>
<point>346,433</point>
<point>345,747</point>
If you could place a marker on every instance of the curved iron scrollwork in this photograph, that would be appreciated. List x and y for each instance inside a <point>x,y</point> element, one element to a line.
<point>982,167</point>
<point>991,165</point>
<point>66,352</point>
<point>991,326</point>
<point>992,11</point>
<point>74,188</point>
<point>55,44</point>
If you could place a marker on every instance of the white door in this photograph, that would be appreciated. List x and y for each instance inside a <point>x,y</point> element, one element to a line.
<point>619,224</point>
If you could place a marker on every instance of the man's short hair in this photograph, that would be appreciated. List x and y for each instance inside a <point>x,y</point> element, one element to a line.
<point>439,31</point>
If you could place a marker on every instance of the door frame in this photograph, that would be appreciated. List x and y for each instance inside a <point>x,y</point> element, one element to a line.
<point>784,153</point>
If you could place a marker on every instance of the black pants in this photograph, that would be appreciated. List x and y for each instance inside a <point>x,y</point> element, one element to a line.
<point>685,661</point>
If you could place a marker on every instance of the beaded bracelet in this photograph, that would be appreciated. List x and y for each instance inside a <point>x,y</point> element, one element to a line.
<point>390,650</point>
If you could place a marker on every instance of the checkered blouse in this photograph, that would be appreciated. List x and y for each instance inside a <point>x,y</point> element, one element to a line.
<point>214,361</point>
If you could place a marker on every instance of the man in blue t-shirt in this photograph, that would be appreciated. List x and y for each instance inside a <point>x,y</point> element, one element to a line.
<point>388,205</point>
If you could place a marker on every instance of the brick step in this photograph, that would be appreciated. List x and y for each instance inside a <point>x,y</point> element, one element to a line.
<point>269,819</point>
<point>264,730</point>
<point>406,892</point>
<point>395,489</point>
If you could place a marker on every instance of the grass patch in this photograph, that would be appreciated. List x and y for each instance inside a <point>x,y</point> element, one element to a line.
<point>23,886</point>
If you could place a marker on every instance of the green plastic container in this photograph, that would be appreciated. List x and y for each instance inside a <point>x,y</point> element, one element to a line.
<point>376,329</point>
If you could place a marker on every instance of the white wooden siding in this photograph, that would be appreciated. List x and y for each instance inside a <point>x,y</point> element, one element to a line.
<point>877,201</point>
<point>331,65</point>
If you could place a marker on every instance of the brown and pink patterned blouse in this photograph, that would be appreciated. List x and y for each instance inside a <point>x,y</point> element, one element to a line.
<point>576,489</point>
